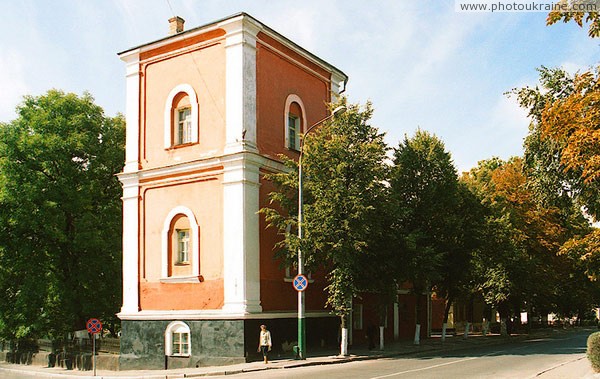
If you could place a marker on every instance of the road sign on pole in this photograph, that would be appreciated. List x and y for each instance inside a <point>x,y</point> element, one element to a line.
<point>94,326</point>
<point>300,283</point>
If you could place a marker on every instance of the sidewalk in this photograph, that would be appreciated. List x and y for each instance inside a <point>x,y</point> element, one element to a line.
<point>317,358</point>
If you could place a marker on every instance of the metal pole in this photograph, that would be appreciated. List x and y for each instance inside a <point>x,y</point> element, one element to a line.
<point>301,317</point>
<point>94,352</point>
<point>301,304</point>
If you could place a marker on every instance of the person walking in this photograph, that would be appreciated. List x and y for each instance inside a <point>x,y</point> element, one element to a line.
<point>264,342</point>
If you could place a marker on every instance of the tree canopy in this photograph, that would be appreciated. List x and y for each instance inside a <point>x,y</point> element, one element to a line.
<point>60,216</point>
<point>579,11</point>
<point>344,185</point>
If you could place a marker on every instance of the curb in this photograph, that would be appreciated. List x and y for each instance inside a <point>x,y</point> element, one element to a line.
<point>303,363</point>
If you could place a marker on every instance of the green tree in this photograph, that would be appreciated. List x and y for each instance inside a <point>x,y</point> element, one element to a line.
<point>542,156</point>
<point>60,216</point>
<point>524,239</point>
<point>578,11</point>
<point>344,185</point>
<point>499,270</point>
<point>424,197</point>
<point>562,151</point>
<point>465,235</point>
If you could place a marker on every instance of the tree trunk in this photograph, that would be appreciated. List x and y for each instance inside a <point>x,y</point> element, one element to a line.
<point>487,311</point>
<point>469,316</point>
<point>344,339</point>
<point>417,339</point>
<point>503,310</point>
<point>446,314</point>
<point>382,318</point>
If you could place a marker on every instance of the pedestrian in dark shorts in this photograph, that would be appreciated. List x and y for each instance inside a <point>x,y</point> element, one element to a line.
<point>264,342</point>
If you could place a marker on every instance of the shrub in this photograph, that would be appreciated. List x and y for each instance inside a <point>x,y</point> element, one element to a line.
<point>593,350</point>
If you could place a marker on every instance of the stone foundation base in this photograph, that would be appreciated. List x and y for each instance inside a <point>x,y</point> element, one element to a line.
<point>219,342</point>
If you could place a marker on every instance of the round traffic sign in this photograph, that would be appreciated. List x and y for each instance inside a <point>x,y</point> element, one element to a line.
<point>94,326</point>
<point>300,283</point>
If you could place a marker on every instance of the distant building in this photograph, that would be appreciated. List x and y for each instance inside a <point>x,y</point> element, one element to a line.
<point>208,112</point>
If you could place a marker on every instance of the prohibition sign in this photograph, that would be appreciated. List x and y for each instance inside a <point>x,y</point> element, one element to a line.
<point>300,283</point>
<point>94,326</point>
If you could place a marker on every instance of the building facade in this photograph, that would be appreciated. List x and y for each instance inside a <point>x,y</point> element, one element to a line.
<point>208,112</point>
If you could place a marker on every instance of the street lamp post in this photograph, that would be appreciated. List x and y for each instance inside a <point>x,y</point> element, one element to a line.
<point>301,317</point>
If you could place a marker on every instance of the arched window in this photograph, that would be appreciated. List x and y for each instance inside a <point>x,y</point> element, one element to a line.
<point>178,341</point>
<point>180,245</point>
<point>294,121</point>
<point>181,117</point>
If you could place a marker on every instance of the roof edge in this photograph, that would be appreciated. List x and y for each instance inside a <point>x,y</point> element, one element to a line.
<point>264,27</point>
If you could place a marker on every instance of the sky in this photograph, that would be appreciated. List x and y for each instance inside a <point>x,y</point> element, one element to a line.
<point>420,62</point>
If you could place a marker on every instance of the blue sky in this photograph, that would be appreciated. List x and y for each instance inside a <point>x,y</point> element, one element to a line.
<point>420,62</point>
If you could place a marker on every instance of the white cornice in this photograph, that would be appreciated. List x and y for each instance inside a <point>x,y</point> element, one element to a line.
<point>214,315</point>
<point>182,168</point>
<point>130,56</point>
<point>252,26</point>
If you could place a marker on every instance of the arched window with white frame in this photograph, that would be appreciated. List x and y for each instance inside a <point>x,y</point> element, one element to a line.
<point>180,246</point>
<point>294,121</point>
<point>181,117</point>
<point>178,340</point>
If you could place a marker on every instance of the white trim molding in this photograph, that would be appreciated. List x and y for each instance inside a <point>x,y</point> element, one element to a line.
<point>200,314</point>
<point>293,98</point>
<point>241,247</point>
<point>169,122</point>
<point>130,199</point>
<point>177,327</point>
<point>336,80</point>
<point>240,84</point>
<point>132,109</point>
<point>165,242</point>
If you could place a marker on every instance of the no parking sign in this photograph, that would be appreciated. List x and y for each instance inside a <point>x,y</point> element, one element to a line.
<point>300,283</point>
<point>94,326</point>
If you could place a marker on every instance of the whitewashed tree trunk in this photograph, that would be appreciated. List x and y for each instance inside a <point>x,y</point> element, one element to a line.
<point>467,325</point>
<point>381,329</point>
<point>417,334</point>
<point>444,327</point>
<point>344,343</point>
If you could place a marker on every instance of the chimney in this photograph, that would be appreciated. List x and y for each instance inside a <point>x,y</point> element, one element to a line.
<point>175,25</point>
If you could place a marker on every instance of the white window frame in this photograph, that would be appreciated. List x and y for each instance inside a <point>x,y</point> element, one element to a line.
<point>293,132</point>
<point>181,328</point>
<point>194,238</point>
<point>293,98</point>
<point>183,245</point>
<point>292,271</point>
<point>170,119</point>
<point>183,133</point>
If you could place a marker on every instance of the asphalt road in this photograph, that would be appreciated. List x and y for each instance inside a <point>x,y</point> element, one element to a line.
<point>558,356</point>
<point>561,355</point>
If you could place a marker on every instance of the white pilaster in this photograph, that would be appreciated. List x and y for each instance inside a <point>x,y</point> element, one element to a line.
<point>240,84</point>
<point>336,80</point>
<point>132,110</point>
<point>130,243</point>
<point>241,235</point>
<point>130,182</point>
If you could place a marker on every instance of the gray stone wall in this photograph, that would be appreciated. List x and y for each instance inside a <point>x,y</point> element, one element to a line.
<point>213,342</point>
